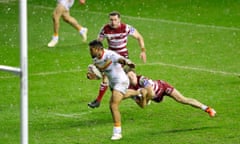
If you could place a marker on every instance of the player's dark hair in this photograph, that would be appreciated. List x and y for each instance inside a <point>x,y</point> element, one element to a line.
<point>96,44</point>
<point>114,13</point>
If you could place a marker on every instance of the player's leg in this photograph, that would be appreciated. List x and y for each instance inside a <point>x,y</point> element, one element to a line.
<point>102,90</point>
<point>115,100</point>
<point>142,99</point>
<point>139,96</point>
<point>131,93</point>
<point>57,13</point>
<point>118,90</point>
<point>176,95</point>
<point>72,21</point>
<point>145,98</point>
<point>135,95</point>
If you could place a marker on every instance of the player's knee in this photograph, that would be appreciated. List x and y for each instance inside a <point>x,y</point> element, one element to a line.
<point>55,19</point>
<point>113,106</point>
<point>66,19</point>
<point>55,15</point>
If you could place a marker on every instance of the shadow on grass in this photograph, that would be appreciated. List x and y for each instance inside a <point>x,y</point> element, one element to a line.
<point>189,129</point>
<point>56,122</point>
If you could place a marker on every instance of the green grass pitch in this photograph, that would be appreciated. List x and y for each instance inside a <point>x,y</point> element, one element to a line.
<point>194,45</point>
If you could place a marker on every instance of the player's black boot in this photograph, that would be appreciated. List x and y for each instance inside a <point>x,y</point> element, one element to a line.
<point>94,104</point>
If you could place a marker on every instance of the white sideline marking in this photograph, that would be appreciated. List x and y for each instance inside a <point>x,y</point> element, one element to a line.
<point>45,73</point>
<point>55,72</point>
<point>73,115</point>
<point>185,23</point>
<point>7,1</point>
<point>193,68</point>
<point>157,20</point>
<point>156,63</point>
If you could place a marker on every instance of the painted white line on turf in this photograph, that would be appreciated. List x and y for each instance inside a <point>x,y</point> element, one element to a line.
<point>7,1</point>
<point>194,68</point>
<point>156,63</point>
<point>185,23</point>
<point>73,115</point>
<point>44,73</point>
<point>55,72</point>
<point>156,20</point>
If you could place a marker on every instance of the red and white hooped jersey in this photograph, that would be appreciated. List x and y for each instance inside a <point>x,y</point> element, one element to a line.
<point>117,37</point>
<point>160,87</point>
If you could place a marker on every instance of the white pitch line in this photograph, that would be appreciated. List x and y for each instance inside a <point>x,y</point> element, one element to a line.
<point>44,73</point>
<point>185,23</point>
<point>194,68</point>
<point>156,63</point>
<point>157,20</point>
<point>7,1</point>
<point>55,72</point>
<point>73,115</point>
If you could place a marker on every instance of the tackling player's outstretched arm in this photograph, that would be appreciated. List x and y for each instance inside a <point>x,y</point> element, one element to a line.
<point>124,61</point>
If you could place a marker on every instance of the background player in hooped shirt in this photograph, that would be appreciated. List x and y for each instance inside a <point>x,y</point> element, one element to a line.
<point>117,34</point>
<point>63,10</point>
<point>155,90</point>
<point>111,63</point>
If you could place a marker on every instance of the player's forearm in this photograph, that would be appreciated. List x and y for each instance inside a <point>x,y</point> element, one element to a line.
<point>103,67</point>
<point>124,61</point>
<point>140,40</point>
<point>150,92</point>
<point>141,44</point>
<point>130,93</point>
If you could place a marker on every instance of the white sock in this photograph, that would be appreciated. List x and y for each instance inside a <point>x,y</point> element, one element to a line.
<point>55,38</point>
<point>117,130</point>
<point>82,31</point>
<point>204,107</point>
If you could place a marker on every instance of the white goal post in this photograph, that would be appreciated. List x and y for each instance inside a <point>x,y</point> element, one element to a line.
<point>22,71</point>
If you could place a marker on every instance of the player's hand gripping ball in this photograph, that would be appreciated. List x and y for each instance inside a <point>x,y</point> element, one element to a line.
<point>93,73</point>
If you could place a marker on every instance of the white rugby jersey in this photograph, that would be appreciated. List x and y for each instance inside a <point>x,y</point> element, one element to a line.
<point>114,71</point>
<point>66,3</point>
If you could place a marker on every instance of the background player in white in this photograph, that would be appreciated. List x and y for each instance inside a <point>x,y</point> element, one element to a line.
<point>108,62</point>
<point>63,10</point>
<point>117,34</point>
<point>155,90</point>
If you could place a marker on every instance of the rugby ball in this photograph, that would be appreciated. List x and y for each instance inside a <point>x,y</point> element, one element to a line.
<point>93,72</point>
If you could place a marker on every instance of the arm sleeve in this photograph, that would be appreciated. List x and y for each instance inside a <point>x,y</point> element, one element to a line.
<point>130,29</point>
<point>144,82</point>
<point>101,34</point>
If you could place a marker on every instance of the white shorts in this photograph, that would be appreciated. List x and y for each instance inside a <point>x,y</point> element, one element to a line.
<point>120,86</point>
<point>66,3</point>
